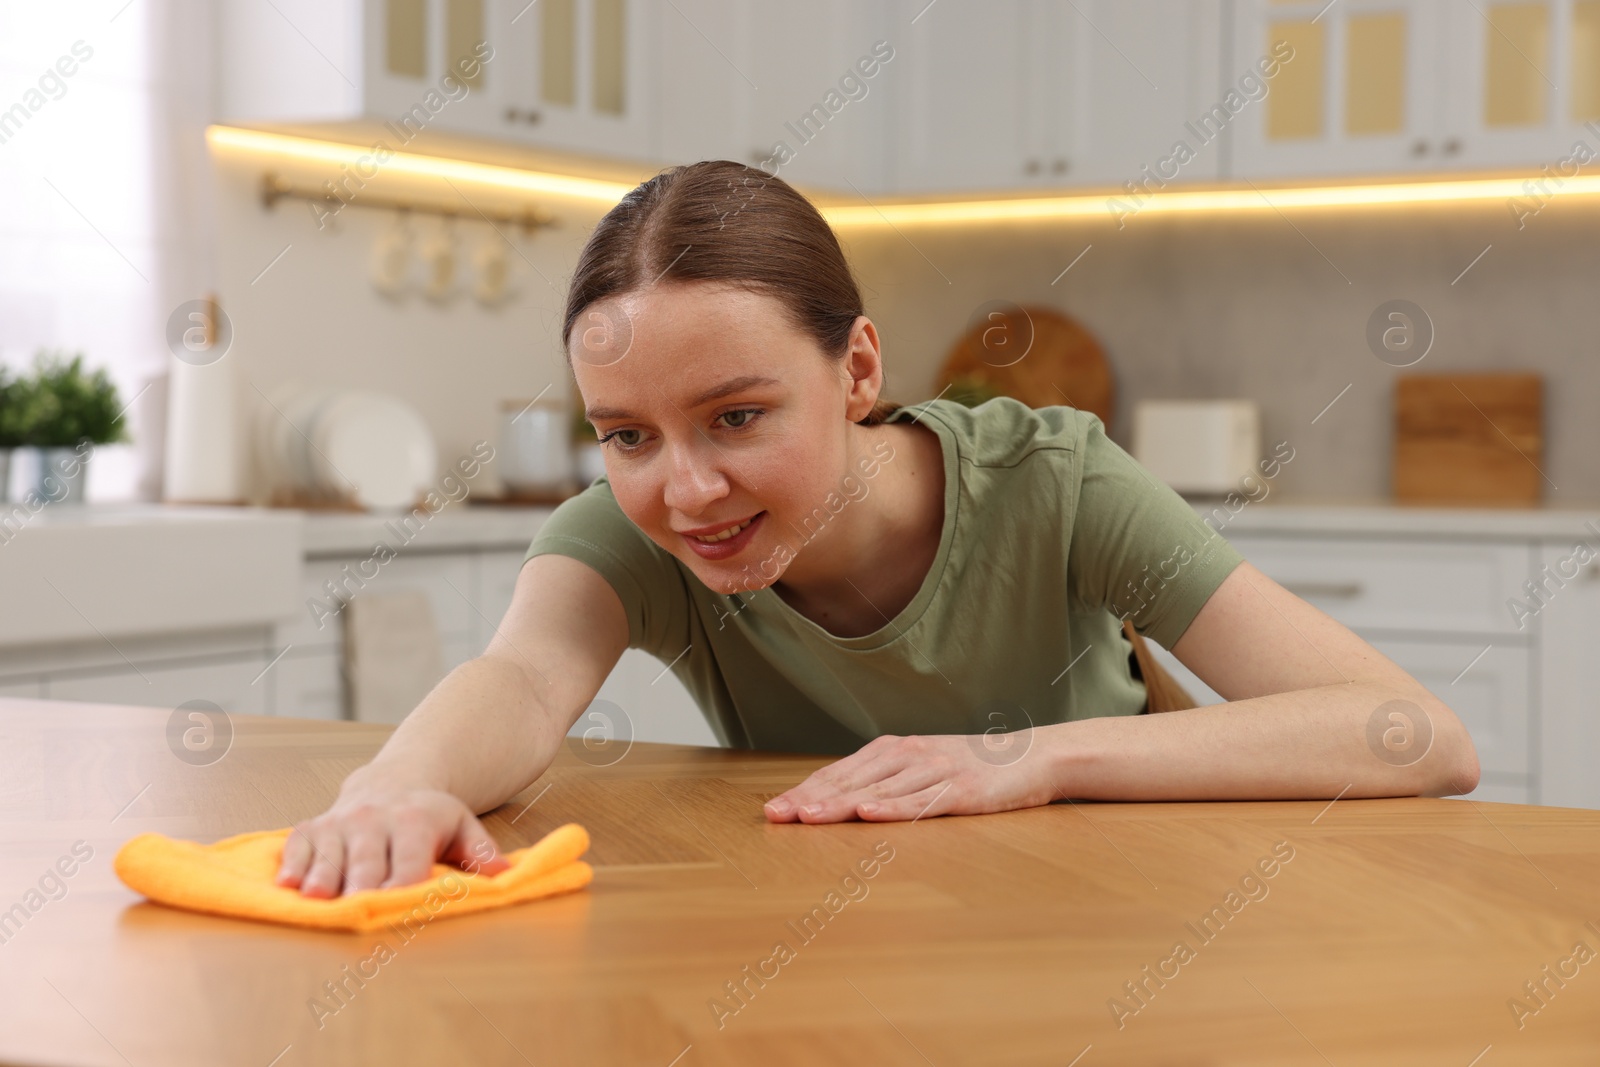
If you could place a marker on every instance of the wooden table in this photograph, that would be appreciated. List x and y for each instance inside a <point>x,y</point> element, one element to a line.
<point>1400,931</point>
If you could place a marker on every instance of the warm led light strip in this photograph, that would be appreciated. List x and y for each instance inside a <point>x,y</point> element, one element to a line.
<point>1105,205</point>
<point>335,153</point>
<point>1114,204</point>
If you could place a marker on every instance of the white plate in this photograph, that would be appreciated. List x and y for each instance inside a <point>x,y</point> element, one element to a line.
<point>375,448</point>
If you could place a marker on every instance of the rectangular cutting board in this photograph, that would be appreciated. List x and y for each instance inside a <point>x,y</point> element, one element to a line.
<point>1469,439</point>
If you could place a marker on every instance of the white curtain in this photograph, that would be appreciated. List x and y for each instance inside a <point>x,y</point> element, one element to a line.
<point>106,225</point>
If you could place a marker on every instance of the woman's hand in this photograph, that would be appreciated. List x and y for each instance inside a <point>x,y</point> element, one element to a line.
<point>896,778</point>
<point>378,835</point>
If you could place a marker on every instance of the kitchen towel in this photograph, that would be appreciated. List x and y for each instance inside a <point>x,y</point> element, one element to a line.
<point>237,877</point>
<point>392,654</point>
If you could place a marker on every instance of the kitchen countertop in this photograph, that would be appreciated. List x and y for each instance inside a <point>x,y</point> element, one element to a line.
<point>1357,931</point>
<point>1381,517</point>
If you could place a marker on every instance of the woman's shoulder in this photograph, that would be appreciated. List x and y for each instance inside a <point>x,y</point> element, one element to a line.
<point>1003,431</point>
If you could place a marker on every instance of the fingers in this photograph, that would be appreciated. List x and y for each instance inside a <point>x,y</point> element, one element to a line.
<point>474,850</point>
<point>413,844</point>
<point>327,864</point>
<point>296,858</point>
<point>880,759</point>
<point>366,844</point>
<point>924,803</point>
<point>842,806</point>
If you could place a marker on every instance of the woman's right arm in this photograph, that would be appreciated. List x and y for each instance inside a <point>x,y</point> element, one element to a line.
<point>484,733</point>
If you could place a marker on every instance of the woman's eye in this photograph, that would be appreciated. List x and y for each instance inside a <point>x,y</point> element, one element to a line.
<point>739,418</point>
<point>619,437</point>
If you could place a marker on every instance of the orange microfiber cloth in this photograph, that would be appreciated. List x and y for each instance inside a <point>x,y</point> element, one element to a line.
<point>237,877</point>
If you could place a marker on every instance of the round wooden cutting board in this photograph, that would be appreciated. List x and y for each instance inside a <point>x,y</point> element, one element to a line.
<point>1037,355</point>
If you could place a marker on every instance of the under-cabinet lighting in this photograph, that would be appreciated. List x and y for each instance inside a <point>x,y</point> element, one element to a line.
<point>1112,206</point>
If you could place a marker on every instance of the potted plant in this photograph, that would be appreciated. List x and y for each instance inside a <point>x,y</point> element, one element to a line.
<point>65,413</point>
<point>588,455</point>
<point>11,402</point>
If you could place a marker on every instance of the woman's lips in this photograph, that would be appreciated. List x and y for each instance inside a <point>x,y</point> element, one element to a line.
<point>732,546</point>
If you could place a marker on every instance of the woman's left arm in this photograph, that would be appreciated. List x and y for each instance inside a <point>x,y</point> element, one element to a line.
<point>1312,712</point>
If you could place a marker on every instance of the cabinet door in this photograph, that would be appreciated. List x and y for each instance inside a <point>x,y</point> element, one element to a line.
<point>1491,694</point>
<point>657,706</point>
<point>1358,93</point>
<point>496,584</point>
<point>580,75</point>
<point>1525,81</point>
<point>979,103</point>
<point>309,685</point>
<point>1131,79</point>
<point>806,93</point>
<point>1569,680</point>
<point>233,685</point>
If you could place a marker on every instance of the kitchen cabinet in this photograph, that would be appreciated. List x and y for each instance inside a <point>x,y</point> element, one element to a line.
<point>1437,608</point>
<point>234,684</point>
<point>577,75</point>
<point>805,92</point>
<point>1526,82</point>
<point>1362,90</point>
<point>1568,626</point>
<point>1396,86</point>
<point>1053,96</point>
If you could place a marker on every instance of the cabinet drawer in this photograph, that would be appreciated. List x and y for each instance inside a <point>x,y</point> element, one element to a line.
<point>446,579</point>
<point>235,686</point>
<point>1398,585</point>
<point>1491,697</point>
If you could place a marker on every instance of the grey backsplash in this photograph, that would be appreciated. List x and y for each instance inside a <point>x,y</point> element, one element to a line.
<point>1274,307</point>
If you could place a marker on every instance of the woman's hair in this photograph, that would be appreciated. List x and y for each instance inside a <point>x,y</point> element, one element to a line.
<point>720,221</point>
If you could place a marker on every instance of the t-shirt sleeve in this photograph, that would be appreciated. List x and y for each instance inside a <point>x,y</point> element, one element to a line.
<point>1137,548</point>
<point>592,528</point>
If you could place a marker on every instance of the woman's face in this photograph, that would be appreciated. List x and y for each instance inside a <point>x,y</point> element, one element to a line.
<point>716,411</point>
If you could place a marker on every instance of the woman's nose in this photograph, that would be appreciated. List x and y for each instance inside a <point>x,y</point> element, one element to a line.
<point>694,478</point>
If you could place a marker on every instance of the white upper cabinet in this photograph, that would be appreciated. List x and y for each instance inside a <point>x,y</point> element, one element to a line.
<point>803,91</point>
<point>1136,83</point>
<point>578,75</point>
<point>1396,86</point>
<point>949,97</point>
<point>977,105</point>
<point>1358,87</point>
<point>1527,82</point>
<point>1050,96</point>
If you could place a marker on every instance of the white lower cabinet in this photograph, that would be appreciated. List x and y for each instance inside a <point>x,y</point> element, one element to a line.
<point>656,705</point>
<point>308,685</point>
<point>1439,609</point>
<point>32,688</point>
<point>234,685</point>
<point>1568,625</point>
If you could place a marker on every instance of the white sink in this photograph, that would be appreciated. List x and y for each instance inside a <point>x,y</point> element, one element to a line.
<point>87,571</point>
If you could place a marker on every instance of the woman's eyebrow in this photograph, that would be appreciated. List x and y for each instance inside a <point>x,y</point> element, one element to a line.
<point>716,392</point>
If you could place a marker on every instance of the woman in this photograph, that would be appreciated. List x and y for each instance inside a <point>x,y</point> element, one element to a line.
<point>828,572</point>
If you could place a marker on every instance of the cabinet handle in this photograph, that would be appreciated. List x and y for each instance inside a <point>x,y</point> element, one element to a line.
<point>1452,146</point>
<point>1345,590</point>
<point>530,116</point>
<point>1419,147</point>
<point>1591,573</point>
<point>1058,167</point>
<point>1031,167</point>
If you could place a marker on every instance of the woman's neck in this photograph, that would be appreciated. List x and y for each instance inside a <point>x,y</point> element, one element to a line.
<point>876,553</point>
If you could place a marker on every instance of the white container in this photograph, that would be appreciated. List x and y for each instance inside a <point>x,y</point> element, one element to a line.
<point>1198,447</point>
<point>535,446</point>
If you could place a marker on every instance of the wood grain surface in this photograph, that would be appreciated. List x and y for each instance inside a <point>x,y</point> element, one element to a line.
<point>1469,439</point>
<point>1347,932</point>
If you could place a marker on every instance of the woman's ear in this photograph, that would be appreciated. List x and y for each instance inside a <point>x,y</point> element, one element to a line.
<point>863,367</point>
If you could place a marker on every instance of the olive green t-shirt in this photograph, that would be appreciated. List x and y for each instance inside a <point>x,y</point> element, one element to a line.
<point>1052,535</point>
